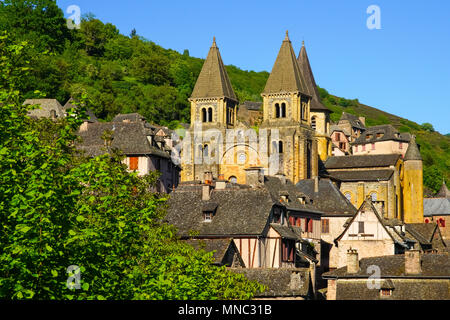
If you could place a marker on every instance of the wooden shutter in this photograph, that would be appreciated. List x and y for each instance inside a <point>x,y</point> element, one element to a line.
<point>360,227</point>
<point>134,161</point>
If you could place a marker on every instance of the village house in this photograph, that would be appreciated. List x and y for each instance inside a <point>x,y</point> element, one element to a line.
<point>437,210</point>
<point>384,139</point>
<point>136,139</point>
<point>352,125</point>
<point>409,276</point>
<point>341,141</point>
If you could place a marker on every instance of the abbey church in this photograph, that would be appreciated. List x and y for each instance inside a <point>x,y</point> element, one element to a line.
<point>294,139</point>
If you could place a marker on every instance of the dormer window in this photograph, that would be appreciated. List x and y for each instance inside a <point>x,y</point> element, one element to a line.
<point>369,136</point>
<point>380,135</point>
<point>207,216</point>
<point>276,215</point>
<point>302,200</point>
<point>385,292</point>
<point>209,210</point>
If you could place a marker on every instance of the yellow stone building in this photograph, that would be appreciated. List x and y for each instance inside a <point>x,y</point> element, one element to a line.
<point>292,135</point>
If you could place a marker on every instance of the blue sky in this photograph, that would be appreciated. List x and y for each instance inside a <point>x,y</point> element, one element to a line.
<point>402,68</point>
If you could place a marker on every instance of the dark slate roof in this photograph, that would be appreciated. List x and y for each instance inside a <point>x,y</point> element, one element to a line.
<point>413,152</point>
<point>362,175</point>
<point>363,161</point>
<point>251,105</point>
<point>329,199</point>
<point>443,192</point>
<point>213,81</point>
<point>130,138</point>
<point>277,188</point>
<point>280,282</point>
<point>305,68</point>
<point>130,117</point>
<point>239,212</point>
<point>91,116</point>
<point>354,120</point>
<point>285,232</point>
<point>388,133</point>
<point>433,265</point>
<point>286,75</point>
<point>220,246</point>
<point>422,231</point>
<point>45,108</point>
<point>436,207</point>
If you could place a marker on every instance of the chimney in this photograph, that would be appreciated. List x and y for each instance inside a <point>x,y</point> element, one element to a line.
<point>84,126</point>
<point>221,183</point>
<point>363,120</point>
<point>254,176</point>
<point>352,261</point>
<point>282,177</point>
<point>206,192</point>
<point>413,264</point>
<point>208,177</point>
<point>316,184</point>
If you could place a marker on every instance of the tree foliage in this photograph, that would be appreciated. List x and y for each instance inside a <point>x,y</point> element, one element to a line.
<point>59,209</point>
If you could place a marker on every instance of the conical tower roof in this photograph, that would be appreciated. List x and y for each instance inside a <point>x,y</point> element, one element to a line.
<point>213,81</point>
<point>444,192</point>
<point>307,73</point>
<point>286,75</point>
<point>413,152</point>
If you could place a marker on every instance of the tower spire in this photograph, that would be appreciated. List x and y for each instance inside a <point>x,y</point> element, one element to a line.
<point>412,153</point>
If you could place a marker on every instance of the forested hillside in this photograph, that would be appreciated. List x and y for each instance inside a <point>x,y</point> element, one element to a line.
<point>126,73</point>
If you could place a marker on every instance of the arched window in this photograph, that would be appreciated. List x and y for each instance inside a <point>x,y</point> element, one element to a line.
<point>232,179</point>
<point>313,123</point>
<point>373,196</point>
<point>210,115</point>
<point>204,118</point>
<point>274,147</point>
<point>280,146</point>
<point>283,110</point>
<point>205,151</point>
<point>277,110</point>
<point>200,151</point>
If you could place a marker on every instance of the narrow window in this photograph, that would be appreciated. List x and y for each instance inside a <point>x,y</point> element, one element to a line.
<point>283,110</point>
<point>210,115</point>
<point>363,147</point>
<point>205,151</point>
<point>400,145</point>
<point>204,119</point>
<point>373,146</point>
<point>386,292</point>
<point>280,146</point>
<point>277,110</point>
<point>361,227</point>
<point>325,226</point>
<point>134,163</point>
<point>313,123</point>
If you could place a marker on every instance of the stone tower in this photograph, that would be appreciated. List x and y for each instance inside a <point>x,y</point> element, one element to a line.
<point>286,103</point>
<point>319,114</point>
<point>413,184</point>
<point>213,106</point>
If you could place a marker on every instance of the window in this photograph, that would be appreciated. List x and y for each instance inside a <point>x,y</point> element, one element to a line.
<point>205,151</point>
<point>313,123</point>
<point>386,292</point>
<point>309,225</point>
<point>338,135</point>
<point>373,196</point>
<point>363,147</point>
<point>325,225</point>
<point>134,162</point>
<point>280,146</point>
<point>210,115</point>
<point>276,216</point>
<point>373,146</point>
<point>277,110</point>
<point>298,222</point>
<point>158,164</point>
<point>283,110</point>
<point>204,118</point>
<point>441,223</point>
<point>400,145</point>
<point>361,227</point>
<point>232,179</point>
<point>348,195</point>
<point>427,221</point>
<point>207,216</point>
<point>288,249</point>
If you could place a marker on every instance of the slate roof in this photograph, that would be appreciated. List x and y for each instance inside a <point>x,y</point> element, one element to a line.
<point>286,75</point>
<point>220,246</point>
<point>305,68</point>
<point>285,232</point>
<point>130,138</point>
<point>362,161</point>
<point>433,265</point>
<point>254,106</point>
<point>240,211</point>
<point>280,282</point>
<point>89,112</point>
<point>412,153</point>
<point>131,117</point>
<point>436,207</point>
<point>213,81</point>
<point>443,192</point>
<point>329,199</point>
<point>362,175</point>
<point>46,106</point>
<point>354,120</point>
<point>423,232</point>
<point>388,133</point>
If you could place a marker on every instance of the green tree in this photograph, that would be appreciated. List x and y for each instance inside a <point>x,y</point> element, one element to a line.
<point>427,127</point>
<point>58,209</point>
